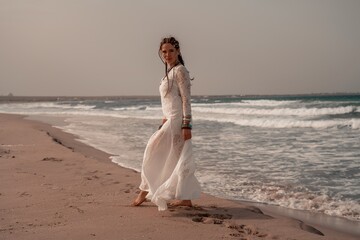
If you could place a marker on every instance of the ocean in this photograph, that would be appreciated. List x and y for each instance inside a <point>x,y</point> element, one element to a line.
<point>298,152</point>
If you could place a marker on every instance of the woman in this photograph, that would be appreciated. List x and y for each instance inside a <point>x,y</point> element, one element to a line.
<point>168,168</point>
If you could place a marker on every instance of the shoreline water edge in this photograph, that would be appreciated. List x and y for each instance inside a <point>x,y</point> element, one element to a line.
<point>309,144</point>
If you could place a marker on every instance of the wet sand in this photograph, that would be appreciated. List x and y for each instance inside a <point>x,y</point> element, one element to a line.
<point>55,187</point>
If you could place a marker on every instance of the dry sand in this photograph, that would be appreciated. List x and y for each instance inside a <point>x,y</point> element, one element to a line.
<point>54,187</point>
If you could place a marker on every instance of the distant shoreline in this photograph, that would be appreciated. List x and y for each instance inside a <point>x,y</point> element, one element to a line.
<point>82,98</point>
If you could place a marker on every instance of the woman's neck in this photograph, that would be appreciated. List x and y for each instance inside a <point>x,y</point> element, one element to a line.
<point>173,65</point>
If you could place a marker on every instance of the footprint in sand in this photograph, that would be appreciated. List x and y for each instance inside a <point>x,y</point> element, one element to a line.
<point>52,159</point>
<point>5,153</point>
<point>213,215</point>
<point>94,177</point>
<point>77,208</point>
<point>130,185</point>
<point>91,175</point>
<point>86,194</point>
<point>244,230</point>
<point>210,218</point>
<point>109,182</point>
<point>25,194</point>
<point>70,164</point>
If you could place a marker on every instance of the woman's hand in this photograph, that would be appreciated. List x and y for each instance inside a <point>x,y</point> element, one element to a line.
<point>186,134</point>
<point>163,121</point>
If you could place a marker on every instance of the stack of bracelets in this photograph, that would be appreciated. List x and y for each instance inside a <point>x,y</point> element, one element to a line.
<point>186,123</point>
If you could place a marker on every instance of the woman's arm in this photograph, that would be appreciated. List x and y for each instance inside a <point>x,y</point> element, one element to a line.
<point>183,81</point>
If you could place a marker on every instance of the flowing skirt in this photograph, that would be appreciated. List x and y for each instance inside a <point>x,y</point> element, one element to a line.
<point>168,167</point>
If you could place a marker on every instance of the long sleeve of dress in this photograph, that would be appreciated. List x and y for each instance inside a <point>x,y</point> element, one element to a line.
<point>183,81</point>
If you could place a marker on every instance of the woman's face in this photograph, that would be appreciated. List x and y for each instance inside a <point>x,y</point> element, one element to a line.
<point>169,54</point>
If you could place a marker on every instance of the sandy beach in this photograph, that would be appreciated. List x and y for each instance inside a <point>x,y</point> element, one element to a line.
<point>55,187</point>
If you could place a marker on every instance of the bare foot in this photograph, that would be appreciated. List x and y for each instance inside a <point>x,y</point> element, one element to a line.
<point>186,203</point>
<point>140,199</point>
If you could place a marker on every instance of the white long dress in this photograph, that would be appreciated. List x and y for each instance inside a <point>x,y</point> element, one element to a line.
<point>168,165</point>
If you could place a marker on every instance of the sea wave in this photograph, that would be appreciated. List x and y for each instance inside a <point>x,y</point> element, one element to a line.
<point>268,102</point>
<point>287,123</point>
<point>303,199</point>
<point>279,111</point>
<point>294,197</point>
<point>130,108</point>
<point>352,123</point>
<point>113,114</point>
<point>47,105</point>
<point>248,103</point>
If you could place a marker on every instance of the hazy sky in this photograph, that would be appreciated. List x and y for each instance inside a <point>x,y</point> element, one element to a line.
<point>109,47</point>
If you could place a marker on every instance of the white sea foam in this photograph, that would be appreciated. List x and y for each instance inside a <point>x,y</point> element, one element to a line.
<point>285,196</point>
<point>285,123</point>
<point>278,111</point>
<point>247,103</point>
<point>68,106</point>
<point>355,123</point>
<point>305,200</point>
<point>268,102</point>
<point>49,105</point>
<point>99,113</point>
<point>119,161</point>
<point>253,122</point>
<point>228,115</point>
<point>130,108</point>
